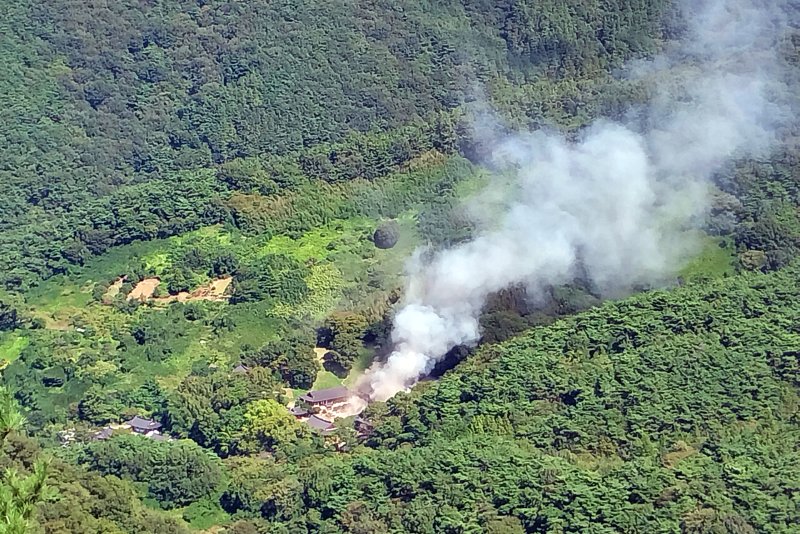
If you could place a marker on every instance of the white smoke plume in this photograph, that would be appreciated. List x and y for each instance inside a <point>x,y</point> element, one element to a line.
<point>617,201</point>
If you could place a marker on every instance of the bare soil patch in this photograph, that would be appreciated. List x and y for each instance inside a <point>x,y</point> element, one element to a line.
<point>214,290</point>
<point>144,290</point>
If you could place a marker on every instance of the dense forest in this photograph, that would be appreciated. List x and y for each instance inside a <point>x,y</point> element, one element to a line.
<point>206,212</point>
<point>115,111</point>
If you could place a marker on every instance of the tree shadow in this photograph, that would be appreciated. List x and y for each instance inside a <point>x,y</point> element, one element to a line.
<point>334,367</point>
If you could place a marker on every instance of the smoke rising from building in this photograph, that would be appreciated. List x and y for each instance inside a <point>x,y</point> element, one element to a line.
<point>615,203</point>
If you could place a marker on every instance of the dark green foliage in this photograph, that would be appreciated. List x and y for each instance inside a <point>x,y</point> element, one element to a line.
<point>176,473</point>
<point>663,383</point>
<point>54,496</point>
<point>131,121</point>
<point>292,358</point>
<point>561,38</point>
<point>209,407</point>
<point>9,316</point>
<point>764,219</point>
<point>343,332</point>
<point>668,411</point>
<point>501,325</point>
<point>147,398</point>
<point>273,276</point>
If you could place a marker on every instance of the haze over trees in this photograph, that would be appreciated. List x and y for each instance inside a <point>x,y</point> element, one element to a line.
<point>297,153</point>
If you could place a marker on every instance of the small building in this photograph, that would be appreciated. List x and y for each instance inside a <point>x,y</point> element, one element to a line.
<point>318,423</point>
<point>240,369</point>
<point>157,436</point>
<point>299,412</point>
<point>326,397</point>
<point>141,425</point>
<point>104,434</point>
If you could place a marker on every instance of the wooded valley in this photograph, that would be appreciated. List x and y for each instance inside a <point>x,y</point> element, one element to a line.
<point>207,209</point>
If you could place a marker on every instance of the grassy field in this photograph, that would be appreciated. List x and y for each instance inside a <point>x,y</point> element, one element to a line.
<point>715,259</point>
<point>11,345</point>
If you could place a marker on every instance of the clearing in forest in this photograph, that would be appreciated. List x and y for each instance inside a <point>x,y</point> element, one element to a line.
<point>214,290</point>
<point>144,289</point>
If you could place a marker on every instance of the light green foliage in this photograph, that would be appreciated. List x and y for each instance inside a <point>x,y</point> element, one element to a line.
<point>269,426</point>
<point>19,494</point>
<point>716,259</point>
<point>204,514</point>
<point>19,497</point>
<point>324,284</point>
<point>326,379</point>
<point>11,345</point>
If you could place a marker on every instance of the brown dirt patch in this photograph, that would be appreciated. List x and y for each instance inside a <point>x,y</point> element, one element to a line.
<point>220,286</point>
<point>144,290</point>
<point>215,290</point>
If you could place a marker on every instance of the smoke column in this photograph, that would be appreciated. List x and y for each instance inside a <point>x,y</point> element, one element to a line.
<point>616,201</point>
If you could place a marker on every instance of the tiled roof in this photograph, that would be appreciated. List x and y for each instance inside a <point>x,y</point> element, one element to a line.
<point>143,424</point>
<point>319,423</point>
<point>104,434</point>
<point>324,395</point>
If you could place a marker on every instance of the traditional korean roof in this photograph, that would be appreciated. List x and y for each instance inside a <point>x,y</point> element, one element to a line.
<point>140,423</point>
<point>320,423</point>
<point>298,412</point>
<point>360,421</point>
<point>324,395</point>
<point>240,369</point>
<point>103,434</point>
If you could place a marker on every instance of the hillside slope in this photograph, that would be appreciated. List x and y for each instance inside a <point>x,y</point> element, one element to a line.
<point>666,412</point>
<point>114,109</point>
